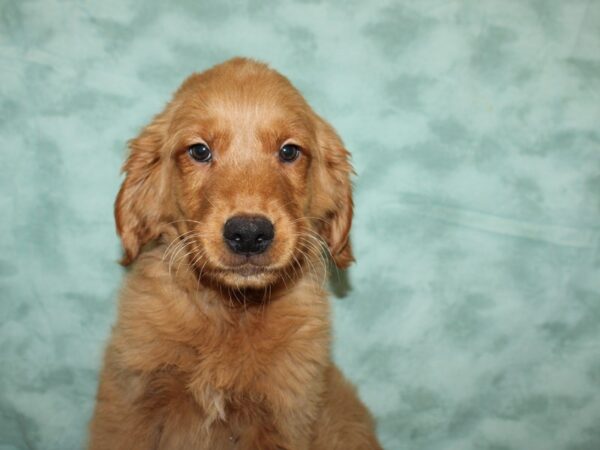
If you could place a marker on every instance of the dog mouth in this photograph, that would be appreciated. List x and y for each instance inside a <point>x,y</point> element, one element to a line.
<point>239,263</point>
<point>248,270</point>
<point>247,275</point>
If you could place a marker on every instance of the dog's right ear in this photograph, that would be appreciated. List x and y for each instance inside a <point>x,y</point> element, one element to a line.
<point>139,207</point>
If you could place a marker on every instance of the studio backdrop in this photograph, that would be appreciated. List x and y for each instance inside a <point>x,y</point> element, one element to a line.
<point>471,319</point>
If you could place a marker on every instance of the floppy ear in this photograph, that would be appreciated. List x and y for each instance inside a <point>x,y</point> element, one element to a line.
<point>336,194</point>
<point>139,207</point>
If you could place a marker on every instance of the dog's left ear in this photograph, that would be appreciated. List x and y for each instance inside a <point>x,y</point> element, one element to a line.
<point>335,193</point>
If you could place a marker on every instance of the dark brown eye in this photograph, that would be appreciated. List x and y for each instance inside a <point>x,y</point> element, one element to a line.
<point>200,153</point>
<point>289,152</point>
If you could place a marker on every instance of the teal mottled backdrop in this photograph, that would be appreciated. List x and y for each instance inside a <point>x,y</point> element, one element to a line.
<point>473,315</point>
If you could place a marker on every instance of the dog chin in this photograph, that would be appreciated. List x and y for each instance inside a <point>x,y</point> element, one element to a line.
<point>246,277</point>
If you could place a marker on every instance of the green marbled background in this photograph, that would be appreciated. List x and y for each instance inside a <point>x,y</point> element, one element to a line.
<point>473,319</point>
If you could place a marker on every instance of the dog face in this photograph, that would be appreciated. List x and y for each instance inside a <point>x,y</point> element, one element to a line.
<point>252,181</point>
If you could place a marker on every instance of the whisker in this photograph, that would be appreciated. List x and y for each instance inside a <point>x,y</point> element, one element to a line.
<point>195,259</point>
<point>316,251</point>
<point>184,220</point>
<point>174,242</point>
<point>320,247</point>
<point>318,238</point>
<point>310,218</point>
<point>181,259</point>
<point>184,243</point>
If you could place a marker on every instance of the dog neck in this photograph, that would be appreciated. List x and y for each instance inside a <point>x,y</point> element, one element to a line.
<point>206,316</point>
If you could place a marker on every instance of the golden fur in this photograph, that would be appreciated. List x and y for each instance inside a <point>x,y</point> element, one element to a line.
<point>213,350</point>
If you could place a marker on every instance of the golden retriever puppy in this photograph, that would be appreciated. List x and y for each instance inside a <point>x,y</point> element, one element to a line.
<point>235,196</point>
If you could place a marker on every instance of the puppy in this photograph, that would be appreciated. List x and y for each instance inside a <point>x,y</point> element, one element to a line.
<point>235,198</point>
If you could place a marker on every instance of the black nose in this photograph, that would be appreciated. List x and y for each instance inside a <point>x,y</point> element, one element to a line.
<point>248,235</point>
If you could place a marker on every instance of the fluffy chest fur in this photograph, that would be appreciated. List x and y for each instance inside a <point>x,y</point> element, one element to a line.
<point>214,365</point>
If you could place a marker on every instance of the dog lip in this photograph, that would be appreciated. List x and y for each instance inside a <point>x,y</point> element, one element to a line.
<point>248,269</point>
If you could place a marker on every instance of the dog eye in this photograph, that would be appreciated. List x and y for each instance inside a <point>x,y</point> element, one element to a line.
<point>200,152</point>
<point>289,152</point>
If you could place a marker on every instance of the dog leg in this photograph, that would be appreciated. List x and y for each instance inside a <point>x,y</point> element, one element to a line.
<point>345,423</point>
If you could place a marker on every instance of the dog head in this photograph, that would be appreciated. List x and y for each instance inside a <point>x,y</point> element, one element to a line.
<point>253,182</point>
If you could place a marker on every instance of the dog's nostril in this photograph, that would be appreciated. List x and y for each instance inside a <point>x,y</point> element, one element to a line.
<point>248,234</point>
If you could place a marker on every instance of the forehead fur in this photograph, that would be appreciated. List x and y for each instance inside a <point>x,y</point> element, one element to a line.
<point>244,86</point>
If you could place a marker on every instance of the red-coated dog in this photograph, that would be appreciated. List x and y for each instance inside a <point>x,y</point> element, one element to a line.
<point>235,197</point>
